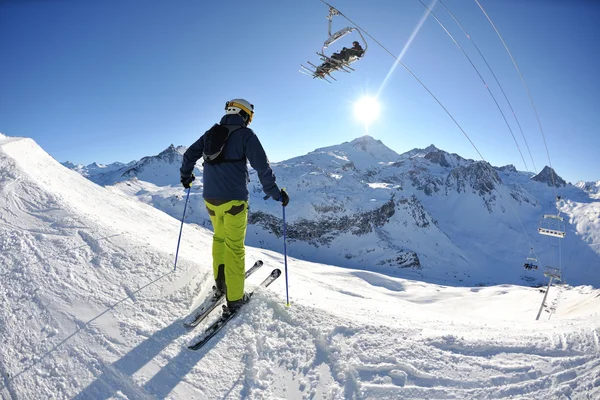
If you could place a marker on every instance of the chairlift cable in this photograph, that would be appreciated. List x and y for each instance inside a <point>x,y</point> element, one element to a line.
<point>497,82</point>
<point>443,107</point>
<point>480,77</point>
<point>560,256</point>
<point>414,76</point>
<point>528,94</point>
<point>552,173</point>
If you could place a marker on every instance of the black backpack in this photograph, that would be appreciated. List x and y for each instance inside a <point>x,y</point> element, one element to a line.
<point>214,142</point>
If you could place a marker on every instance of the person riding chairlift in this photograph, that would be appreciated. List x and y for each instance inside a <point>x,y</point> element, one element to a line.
<point>344,56</point>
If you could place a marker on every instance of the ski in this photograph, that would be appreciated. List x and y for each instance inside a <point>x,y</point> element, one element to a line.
<point>216,326</point>
<point>213,302</point>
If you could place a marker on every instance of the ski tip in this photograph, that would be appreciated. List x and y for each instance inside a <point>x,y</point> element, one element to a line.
<point>276,272</point>
<point>259,262</point>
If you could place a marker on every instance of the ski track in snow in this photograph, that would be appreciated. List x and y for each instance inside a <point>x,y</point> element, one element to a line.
<point>89,309</point>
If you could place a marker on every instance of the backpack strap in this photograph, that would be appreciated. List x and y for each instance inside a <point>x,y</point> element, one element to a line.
<point>231,129</point>
<point>219,158</point>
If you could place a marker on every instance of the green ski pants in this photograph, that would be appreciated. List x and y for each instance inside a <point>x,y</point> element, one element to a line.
<point>229,221</point>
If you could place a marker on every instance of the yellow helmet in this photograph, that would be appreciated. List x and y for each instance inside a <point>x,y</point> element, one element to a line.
<point>242,107</point>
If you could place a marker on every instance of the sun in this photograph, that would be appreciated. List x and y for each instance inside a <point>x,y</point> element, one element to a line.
<point>366,110</point>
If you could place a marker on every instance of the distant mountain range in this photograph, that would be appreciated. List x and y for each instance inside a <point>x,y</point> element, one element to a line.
<point>593,188</point>
<point>425,213</point>
<point>155,169</point>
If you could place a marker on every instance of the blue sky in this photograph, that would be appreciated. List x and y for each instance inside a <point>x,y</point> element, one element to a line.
<point>118,80</point>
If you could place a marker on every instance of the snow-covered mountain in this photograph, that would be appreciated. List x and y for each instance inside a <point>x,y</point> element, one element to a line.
<point>550,178</point>
<point>92,309</point>
<point>593,188</point>
<point>95,170</point>
<point>459,220</point>
<point>155,169</point>
<point>425,213</point>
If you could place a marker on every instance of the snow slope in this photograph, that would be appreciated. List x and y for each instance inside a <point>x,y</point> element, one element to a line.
<point>91,309</point>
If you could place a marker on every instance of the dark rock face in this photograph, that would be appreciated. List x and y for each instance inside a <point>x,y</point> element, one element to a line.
<point>549,177</point>
<point>322,231</point>
<point>479,176</point>
<point>427,183</point>
<point>403,259</point>
<point>349,166</point>
<point>438,157</point>
<point>417,211</point>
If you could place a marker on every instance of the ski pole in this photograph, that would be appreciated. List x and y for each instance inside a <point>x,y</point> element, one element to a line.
<point>287,296</point>
<point>287,293</point>
<point>181,229</point>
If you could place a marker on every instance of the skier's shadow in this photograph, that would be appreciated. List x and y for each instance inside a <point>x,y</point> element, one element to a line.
<point>117,376</point>
<point>165,380</point>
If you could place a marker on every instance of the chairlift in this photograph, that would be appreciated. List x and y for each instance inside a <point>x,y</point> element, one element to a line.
<point>531,262</point>
<point>330,64</point>
<point>554,273</point>
<point>552,225</point>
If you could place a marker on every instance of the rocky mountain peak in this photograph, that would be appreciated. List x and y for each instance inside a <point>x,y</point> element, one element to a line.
<point>371,146</point>
<point>420,152</point>
<point>170,154</point>
<point>549,177</point>
<point>69,165</point>
<point>363,152</point>
<point>431,148</point>
<point>366,143</point>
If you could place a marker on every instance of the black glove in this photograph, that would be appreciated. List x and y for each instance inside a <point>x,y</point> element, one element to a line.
<point>186,180</point>
<point>284,198</point>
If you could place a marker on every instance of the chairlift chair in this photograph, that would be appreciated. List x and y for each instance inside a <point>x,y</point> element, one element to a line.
<point>333,64</point>
<point>553,272</point>
<point>552,225</point>
<point>531,262</point>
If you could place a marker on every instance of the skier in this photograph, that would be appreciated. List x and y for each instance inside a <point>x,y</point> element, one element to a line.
<point>225,148</point>
<point>344,55</point>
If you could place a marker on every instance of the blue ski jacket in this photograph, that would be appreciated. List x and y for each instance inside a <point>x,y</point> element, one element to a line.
<point>229,180</point>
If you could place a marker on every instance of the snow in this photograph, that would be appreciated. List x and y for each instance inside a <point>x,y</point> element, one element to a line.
<point>91,308</point>
<point>380,185</point>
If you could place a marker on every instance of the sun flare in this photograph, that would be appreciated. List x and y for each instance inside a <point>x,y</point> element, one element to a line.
<point>366,110</point>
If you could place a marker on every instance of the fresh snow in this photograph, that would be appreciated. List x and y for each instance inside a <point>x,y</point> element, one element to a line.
<point>92,309</point>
